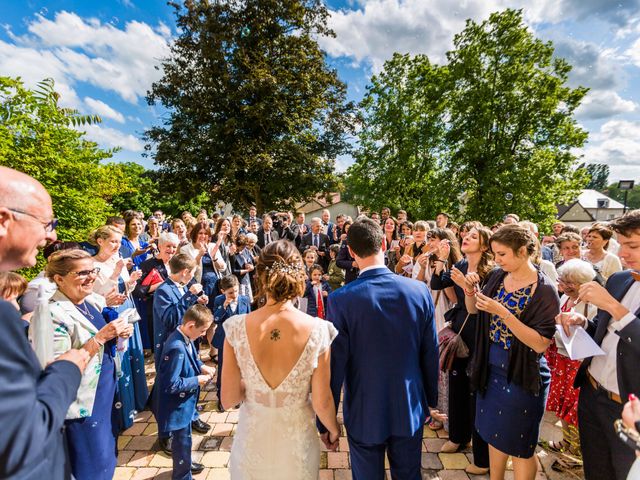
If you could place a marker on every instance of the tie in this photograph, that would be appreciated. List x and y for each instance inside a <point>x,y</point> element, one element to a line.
<point>384,244</point>
<point>319,303</point>
<point>267,239</point>
<point>316,243</point>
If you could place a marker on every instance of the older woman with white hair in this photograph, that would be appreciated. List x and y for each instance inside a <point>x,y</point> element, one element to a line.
<point>563,398</point>
<point>154,271</point>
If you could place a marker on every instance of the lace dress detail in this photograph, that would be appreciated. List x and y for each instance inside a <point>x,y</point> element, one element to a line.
<point>276,435</point>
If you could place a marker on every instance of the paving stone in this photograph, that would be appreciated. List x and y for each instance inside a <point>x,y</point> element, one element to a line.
<point>442,433</point>
<point>141,443</point>
<point>326,475</point>
<point>215,459</point>
<point>124,456</point>
<point>124,473</point>
<point>428,433</point>
<point>453,475</point>
<point>145,473</point>
<point>218,474</point>
<point>434,444</point>
<point>453,461</point>
<point>152,429</point>
<point>431,461</point>
<point>143,416</point>
<point>225,446</point>
<point>123,440</point>
<point>222,429</point>
<point>218,417</point>
<point>343,445</point>
<point>342,474</point>
<point>232,417</point>
<point>141,459</point>
<point>161,460</point>
<point>136,429</point>
<point>323,460</point>
<point>338,459</point>
<point>202,475</point>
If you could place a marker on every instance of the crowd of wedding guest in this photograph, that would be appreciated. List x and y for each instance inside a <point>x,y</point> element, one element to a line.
<point>509,291</point>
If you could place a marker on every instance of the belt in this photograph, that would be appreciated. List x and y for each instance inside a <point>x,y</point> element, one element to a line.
<point>598,386</point>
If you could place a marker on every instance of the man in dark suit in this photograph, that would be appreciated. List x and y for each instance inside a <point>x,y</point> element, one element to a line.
<point>386,354</point>
<point>345,261</point>
<point>328,226</point>
<point>606,381</point>
<point>318,241</point>
<point>253,217</point>
<point>267,234</point>
<point>33,401</point>
<point>299,229</point>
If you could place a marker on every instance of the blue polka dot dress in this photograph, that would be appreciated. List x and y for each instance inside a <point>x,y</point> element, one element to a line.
<point>507,416</point>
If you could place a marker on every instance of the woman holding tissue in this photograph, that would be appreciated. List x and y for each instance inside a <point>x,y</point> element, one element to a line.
<point>515,324</point>
<point>73,318</point>
<point>563,398</point>
<point>113,276</point>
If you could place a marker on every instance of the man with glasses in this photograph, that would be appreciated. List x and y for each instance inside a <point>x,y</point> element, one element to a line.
<point>33,402</point>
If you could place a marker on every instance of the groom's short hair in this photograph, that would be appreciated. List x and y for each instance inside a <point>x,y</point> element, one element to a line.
<point>365,237</point>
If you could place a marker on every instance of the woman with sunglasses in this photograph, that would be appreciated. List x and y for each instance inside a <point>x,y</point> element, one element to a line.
<point>113,277</point>
<point>73,318</point>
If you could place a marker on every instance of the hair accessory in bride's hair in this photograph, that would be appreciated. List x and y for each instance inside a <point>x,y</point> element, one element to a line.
<point>283,267</point>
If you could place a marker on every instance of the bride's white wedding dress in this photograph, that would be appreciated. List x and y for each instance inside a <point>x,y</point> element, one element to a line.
<point>276,437</point>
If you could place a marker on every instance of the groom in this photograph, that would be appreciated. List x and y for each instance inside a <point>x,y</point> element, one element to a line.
<point>386,354</point>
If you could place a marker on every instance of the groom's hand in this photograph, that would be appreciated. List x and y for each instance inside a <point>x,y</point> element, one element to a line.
<point>332,447</point>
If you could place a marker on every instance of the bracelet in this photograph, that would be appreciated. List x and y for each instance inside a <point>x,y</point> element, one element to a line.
<point>470,294</point>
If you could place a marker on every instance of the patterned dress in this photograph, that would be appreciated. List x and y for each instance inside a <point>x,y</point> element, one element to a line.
<point>508,417</point>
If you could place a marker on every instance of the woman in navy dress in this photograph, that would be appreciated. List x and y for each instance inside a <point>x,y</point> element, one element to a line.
<point>516,322</point>
<point>73,318</point>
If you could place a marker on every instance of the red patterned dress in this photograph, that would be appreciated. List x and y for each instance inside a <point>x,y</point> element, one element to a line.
<point>563,398</point>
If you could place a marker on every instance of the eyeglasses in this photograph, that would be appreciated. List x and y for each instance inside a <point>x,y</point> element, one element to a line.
<point>86,273</point>
<point>49,226</point>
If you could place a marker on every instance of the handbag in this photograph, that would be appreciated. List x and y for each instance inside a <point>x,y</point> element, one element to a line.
<point>451,346</point>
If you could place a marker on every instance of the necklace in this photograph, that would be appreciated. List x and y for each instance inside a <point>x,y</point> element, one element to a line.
<point>85,311</point>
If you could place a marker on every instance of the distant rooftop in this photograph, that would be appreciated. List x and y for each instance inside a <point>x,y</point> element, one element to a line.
<point>589,199</point>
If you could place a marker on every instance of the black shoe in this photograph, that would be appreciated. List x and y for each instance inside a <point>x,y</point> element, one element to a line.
<point>165,445</point>
<point>220,407</point>
<point>200,427</point>
<point>196,467</point>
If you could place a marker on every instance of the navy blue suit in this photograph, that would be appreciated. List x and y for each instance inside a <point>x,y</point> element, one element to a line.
<point>604,454</point>
<point>386,354</point>
<point>220,314</point>
<point>33,406</point>
<point>176,396</point>
<point>310,295</point>
<point>169,306</point>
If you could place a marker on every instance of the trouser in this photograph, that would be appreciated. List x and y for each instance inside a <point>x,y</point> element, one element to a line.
<point>404,453</point>
<point>462,413</point>
<point>604,455</point>
<point>181,453</point>
<point>219,375</point>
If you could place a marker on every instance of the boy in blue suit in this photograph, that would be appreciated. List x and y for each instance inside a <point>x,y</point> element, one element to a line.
<point>178,382</point>
<point>226,305</point>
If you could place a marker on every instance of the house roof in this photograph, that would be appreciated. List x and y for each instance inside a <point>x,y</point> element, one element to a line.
<point>589,199</point>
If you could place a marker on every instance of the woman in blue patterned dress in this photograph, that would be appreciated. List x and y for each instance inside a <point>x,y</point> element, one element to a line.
<point>516,322</point>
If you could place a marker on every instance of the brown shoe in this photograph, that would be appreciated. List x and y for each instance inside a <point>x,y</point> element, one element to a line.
<point>450,447</point>
<point>473,469</point>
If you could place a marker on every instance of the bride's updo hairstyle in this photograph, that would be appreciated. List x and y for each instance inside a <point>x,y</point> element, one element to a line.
<point>280,271</point>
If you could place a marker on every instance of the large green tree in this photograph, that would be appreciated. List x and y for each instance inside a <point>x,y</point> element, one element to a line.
<point>507,116</point>
<point>254,114</point>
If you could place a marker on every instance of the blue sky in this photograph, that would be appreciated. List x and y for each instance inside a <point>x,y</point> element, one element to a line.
<point>102,56</point>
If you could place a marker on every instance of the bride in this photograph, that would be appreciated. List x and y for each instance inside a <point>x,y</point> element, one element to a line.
<point>277,363</point>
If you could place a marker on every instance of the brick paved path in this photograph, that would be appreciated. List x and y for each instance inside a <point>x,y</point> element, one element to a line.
<point>140,459</point>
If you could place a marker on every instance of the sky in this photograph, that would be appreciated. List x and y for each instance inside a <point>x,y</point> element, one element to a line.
<point>103,57</point>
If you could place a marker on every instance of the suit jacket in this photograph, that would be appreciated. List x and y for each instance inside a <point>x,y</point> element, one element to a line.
<point>261,234</point>
<point>33,406</point>
<point>220,314</point>
<point>307,241</point>
<point>299,231</point>
<point>345,261</point>
<point>386,354</point>
<point>176,389</point>
<point>330,227</point>
<point>628,349</point>
<point>169,306</point>
<point>239,262</point>
<point>69,329</point>
<point>256,219</point>
<point>310,295</point>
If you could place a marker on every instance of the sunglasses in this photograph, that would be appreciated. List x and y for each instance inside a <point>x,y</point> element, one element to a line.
<point>86,273</point>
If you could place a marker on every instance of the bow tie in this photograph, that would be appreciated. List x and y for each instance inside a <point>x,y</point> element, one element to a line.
<point>635,276</point>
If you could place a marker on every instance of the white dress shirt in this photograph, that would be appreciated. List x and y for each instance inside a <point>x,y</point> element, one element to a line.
<point>603,367</point>
<point>371,268</point>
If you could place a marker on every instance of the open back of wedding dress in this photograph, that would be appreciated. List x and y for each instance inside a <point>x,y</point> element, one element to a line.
<point>276,437</point>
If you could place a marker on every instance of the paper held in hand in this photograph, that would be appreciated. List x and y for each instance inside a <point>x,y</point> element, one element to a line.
<point>580,344</point>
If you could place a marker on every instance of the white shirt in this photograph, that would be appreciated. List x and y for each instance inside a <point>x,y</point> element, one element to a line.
<point>233,306</point>
<point>372,267</point>
<point>603,367</point>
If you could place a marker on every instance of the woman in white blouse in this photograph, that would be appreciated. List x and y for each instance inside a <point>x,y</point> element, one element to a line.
<point>598,238</point>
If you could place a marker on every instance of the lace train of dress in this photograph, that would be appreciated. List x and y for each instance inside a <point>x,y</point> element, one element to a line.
<point>276,435</point>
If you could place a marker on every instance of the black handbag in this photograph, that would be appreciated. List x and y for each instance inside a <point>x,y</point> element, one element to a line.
<point>451,346</point>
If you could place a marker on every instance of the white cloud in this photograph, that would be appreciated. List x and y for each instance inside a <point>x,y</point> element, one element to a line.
<point>617,144</point>
<point>601,104</point>
<point>98,107</point>
<point>71,49</point>
<point>111,138</point>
